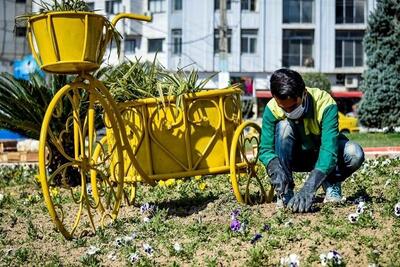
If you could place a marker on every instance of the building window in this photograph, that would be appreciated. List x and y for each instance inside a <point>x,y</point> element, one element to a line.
<point>248,5</point>
<point>130,45</point>
<point>228,4</point>
<point>248,41</point>
<point>156,6</point>
<point>90,5</point>
<point>216,40</point>
<point>298,11</point>
<point>349,49</point>
<point>110,6</point>
<point>350,11</point>
<point>20,1</point>
<point>298,48</point>
<point>155,45</point>
<point>177,4</point>
<point>177,41</point>
<point>20,31</point>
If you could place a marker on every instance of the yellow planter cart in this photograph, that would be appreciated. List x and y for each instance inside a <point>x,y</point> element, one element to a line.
<point>147,140</point>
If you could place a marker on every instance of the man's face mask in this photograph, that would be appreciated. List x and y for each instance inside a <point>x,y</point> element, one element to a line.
<point>298,111</point>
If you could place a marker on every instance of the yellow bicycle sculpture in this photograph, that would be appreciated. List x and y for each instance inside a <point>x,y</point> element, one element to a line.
<point>84,177</point>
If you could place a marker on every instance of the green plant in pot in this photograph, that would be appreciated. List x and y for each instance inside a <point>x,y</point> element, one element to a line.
<point>66,37</point>
<point>137,79</point>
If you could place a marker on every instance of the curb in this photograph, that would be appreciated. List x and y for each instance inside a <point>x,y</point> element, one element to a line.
<point>387,151</point>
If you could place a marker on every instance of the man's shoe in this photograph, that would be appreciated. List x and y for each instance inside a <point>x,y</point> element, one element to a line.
<point>283,200</point>
<point>333,191</point>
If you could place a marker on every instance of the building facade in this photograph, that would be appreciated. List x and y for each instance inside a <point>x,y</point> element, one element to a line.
<point>263,35</point>
<point>13,45</point>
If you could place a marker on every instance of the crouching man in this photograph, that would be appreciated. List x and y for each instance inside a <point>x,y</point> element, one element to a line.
<point>300,133</point>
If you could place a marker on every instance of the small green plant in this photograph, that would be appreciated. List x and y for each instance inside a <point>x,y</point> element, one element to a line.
<point>17,175</point>
<point>33,232</point>
<point>63,5</point>
<point>22,255</point>
<point>135,79</point>
<point>90,260</point>
<point>257,256</point>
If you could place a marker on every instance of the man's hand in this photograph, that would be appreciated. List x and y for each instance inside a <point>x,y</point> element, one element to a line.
<point>303,200</point>
<point>279,179</point>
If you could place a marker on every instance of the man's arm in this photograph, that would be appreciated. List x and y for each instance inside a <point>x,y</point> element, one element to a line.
<point>267,144</point>
<point>278,177</point>
<point>328,152</point>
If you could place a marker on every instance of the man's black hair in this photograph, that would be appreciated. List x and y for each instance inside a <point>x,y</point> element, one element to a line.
<point>286,83</point>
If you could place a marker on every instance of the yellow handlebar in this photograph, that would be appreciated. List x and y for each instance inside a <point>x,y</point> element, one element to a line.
<point>130,16</point>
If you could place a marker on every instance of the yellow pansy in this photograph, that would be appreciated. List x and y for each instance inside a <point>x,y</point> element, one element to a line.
<point>170,182</point>
<point>54,191</point>
<point>202,186</point>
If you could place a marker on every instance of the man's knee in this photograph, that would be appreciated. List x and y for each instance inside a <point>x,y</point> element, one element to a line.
<point>354,155</point>
<point>284,129</point>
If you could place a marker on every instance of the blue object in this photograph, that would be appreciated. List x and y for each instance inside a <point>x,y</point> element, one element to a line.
<point>9,135</point>
<point>24,68</point>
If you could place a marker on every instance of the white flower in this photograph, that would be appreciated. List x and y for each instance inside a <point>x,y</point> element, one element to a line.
<point>119,242</point>
<point>334,257</point>
<point>353,217</point>
<point>112,256</point>
<point>177,247</point>
<point>133,257</point>
<point>129,238</point>
<point>361,207</point>
<point>145,207</point>
<point>92,250</point>
<point>360,210</point>
<point>1,197</point>
<point>323,259</point>
<point>89,190</point>
<point>243,227</point>
<point>386,162</point>
<point>148,249</point>
<point>387,183</point>
<point>146,219</point>
<point>397,209</point>
<point>292,261</point>
<point>288,224</point>
<point>372,265</point>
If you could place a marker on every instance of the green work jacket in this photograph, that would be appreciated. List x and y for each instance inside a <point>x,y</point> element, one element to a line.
<point>317,128</point>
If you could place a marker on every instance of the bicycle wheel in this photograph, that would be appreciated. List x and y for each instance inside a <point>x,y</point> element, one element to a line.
<point>106,155</point>
<point>66,159</point>
<point>247,175</point>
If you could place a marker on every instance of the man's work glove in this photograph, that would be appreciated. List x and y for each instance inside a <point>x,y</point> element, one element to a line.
<point>303,200</point>
<point>279,179</point>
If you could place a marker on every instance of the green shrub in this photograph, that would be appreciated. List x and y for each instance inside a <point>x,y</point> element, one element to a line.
<point>381,85</point>
<point>318,80</point>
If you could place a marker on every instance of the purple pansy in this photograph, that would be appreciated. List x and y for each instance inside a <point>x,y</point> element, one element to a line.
<point>235,225</point>
<point>257,237</point>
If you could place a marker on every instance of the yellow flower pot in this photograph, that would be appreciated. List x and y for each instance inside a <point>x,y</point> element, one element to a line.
<point>69,42</point>
<point>172,142</point>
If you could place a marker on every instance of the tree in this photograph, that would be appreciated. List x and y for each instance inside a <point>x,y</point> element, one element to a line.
<point>318,80</point>
<point>380,106</point>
